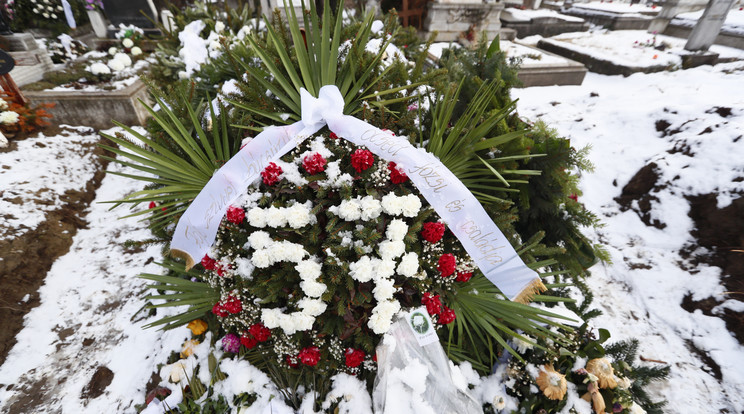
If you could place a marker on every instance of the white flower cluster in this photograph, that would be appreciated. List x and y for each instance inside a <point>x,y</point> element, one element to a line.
<point>365,208</point>
<point>381,270</point>
<point>296,216</point>
<point>120,62</point>
<point>267,252</point>
<point>46,8</point>
<point>407,205</point>
<point>8,117</point>
<point>99,68</point>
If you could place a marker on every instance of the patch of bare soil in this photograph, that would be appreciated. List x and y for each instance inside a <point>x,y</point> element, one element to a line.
<point>28,258</point>
<point>640,189</point>
<point>721,232</point>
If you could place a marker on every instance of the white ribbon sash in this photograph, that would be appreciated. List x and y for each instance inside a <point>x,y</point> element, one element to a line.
<point>455,204</point>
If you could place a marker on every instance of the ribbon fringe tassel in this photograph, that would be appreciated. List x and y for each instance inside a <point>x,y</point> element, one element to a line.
<point>535,287</point>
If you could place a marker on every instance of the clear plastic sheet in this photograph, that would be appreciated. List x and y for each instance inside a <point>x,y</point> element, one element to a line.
<point>412,378</point>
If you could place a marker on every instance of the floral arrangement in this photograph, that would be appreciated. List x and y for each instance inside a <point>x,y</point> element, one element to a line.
<point>65,48</point>
<point>335,241</point>
<point>44,14</point>
<point>94,5</point>
<point>48,9</point>
<point>17,118</point>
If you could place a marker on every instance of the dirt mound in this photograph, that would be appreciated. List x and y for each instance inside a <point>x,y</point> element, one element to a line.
<point>28,258</point>
<point>640,189</point>
<point>721,232</point>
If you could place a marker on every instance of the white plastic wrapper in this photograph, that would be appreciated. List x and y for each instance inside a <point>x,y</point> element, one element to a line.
<point>413,374</point>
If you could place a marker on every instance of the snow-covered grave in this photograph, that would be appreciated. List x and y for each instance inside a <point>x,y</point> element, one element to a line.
<point>627,51</point>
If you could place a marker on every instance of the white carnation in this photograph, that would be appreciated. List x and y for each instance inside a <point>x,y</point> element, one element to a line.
<point>362,270</point>
<point>396,230</point>
<point>113,50</point>
<point>99,68</point>
<point>9,117</point>
<point>288,323</point>
<point>271,317</point>
<point>350,210</point>
<point>219,27</point>
<point>127,42</point>
<point>4,104</point>
<point>411,205</point>
<point>312,288</point>
<point>312,307</point>
<point>302,321</point>
<point>261,259</point>
<point>392,204</point>
<point>275,217</point>
<point>392,249</point>
<point>308,270</point>
<point>385,268</point>
<point>136,51</point>
<point>259,240</point>
<point>384,289</point>
<point>409,265</point>
<point>294,252</point>
<point>371,208</point>
<point>298,216</point>
<point>257,217</point>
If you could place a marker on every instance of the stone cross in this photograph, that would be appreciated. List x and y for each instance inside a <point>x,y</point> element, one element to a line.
<point>670,9</point>
<point>707,28</point>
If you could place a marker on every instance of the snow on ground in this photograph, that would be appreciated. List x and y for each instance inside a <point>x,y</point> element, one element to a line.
<point>88,301</point>
<point>640,293</point>
<point>527,15</point>
<point>633,47</point>
<point>37,174</point>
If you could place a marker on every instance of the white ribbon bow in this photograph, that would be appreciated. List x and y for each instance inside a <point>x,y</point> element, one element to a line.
<point>455,204</point>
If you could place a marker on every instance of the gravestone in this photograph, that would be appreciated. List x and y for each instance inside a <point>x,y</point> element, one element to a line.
<point>128,12</point>
<point>452,19</point>
<point>707,28</point>
<point>31,62</point>
<point>672,8</point>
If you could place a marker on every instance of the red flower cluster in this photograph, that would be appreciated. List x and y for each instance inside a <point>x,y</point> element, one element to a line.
<point>433,231</point>
<point>397,175</point>
<point>271,174</point>
<point>447,316</point>
<point>231,305</point>
<point>235,215</point>
<point>333,136</point>
<point>446,264</point>
<point>354,357</point>
<point>314,164</point>
<point>463,276</point>
<point>210,264</point>
<point>432,302</point>
<point>309,356</point>
<point>255,334</point>
<point>362,159</point>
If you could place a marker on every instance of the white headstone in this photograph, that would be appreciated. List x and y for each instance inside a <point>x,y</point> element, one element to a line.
<point>707,28</point>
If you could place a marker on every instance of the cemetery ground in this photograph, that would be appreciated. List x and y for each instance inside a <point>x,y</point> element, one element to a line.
<point>668,184</point>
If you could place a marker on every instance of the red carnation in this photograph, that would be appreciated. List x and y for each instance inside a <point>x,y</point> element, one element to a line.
<point>447,316</point>
<point>463,276</point>
<point>152,205</point>
<point>432,303</point>
<point>218,310</point>
<point>333,136</point>
<point>235,215</point>
<point>309,356</point>
<point>233,305</point>
<point>354,357</point>
<point>362,159</point>
<point>271,174</point>
<point>433,231</point>
<point>260,332</point>
<point>248,341</point>
<point>397,175</point>
<point>208,263</point>
<point>314,164</point>
<point>446,264</point>
<point>574,197</point>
